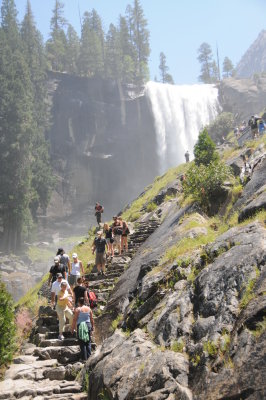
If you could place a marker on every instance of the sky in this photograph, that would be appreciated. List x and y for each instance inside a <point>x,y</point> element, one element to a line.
<point>177,27</point>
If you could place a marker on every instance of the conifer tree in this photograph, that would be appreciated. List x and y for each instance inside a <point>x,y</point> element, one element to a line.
<point>16,111</point>
<point>41,173</point>
<point>228,68</point>
<point>91,60</point>
<point>113,62</point>
<point>56,45</point>
<point>204,149</point>
<point>205,58</point>
<point>127,51</point>
<point>165,76</point>
<point>72,50</point>
<point>140,40</point>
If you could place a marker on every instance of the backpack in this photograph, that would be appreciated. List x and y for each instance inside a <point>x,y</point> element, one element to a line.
<point>92,299</point>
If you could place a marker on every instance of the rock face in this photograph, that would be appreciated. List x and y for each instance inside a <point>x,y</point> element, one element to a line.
<point>243,97</point>
<point>191,326</point>
<point>254,60</point>
<point>100,137</point>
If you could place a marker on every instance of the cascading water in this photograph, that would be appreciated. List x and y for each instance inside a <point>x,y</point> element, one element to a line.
<point>180,112</point>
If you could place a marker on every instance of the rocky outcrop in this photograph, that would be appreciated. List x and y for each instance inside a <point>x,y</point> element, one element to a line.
<point>191,326</point>
<point>254,60</point>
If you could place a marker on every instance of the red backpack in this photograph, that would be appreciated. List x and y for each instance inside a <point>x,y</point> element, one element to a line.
<point>92,299</point>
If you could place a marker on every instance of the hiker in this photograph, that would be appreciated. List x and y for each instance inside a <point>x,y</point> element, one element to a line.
<point>107,230</point>
<point>84,324</point>
<point>64,260</point>
<point>56,287</point>
<point>125,232</point>
<point>76,270</point>
<point>99,245</point>
<point>261,126</point>
<point>117,232</point>
<point>56,269</point>
<point>79,291</point>
<point>63,309</point>
<point>254,126</point>
<point>98,212</point>
<point>187,156</point>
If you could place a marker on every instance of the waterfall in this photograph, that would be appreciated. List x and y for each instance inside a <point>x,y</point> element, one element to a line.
<point>180,112</point>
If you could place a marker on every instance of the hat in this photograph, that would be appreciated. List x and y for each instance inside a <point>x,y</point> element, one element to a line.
<point>59,275</point>
<point>56,259</point>
<point>99,232</point>
<point>74,255</point>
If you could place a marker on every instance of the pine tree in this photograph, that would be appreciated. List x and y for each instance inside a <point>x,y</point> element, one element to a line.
<point>16,110</point>
<point>56,45</point>
<point>228,68</point>
<point>113,65</point>
<point>205,58</point>
<point>126,51</point>
<point>41,173</point>
<point>165,76</point>
<point>91,60</point>
<point>72,50</point>
<point>140,40</point>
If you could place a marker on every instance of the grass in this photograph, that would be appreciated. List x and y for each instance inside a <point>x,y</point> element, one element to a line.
<point>36,254</point>
<point>31,300</point>
<point>260,328</point>
<point>211,348</point>
<point>177,346</point>
<point>151,191</point>
<point>84,251</point>
<point>116,321</point>
<point>249,290</point>
<point>151,206</point>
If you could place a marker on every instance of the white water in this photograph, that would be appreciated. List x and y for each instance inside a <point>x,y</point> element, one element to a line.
<point>180,112</point>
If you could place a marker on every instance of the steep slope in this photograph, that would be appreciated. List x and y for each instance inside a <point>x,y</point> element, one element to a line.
<point>191,304</point>
<point>254,60</point>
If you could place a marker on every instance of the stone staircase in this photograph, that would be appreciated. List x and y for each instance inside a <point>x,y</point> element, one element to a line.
<point>50,368</point>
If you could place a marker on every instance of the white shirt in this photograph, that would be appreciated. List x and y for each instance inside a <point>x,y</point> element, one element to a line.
<point>56,286</point>
<point>75,270</point>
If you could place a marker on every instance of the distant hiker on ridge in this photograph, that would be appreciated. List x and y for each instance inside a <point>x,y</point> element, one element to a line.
<point>98,212</point>
<point>187,156</point>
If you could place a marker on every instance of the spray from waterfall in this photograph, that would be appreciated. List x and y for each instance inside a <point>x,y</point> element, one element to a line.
<point>180,112</point>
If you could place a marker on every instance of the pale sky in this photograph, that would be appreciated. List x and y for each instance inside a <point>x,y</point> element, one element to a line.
<point>177,27</point>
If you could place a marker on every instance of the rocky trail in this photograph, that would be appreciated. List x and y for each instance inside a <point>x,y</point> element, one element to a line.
<point>49,368</point>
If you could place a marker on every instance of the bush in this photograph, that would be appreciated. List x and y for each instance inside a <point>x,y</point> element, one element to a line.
<point>204,149</point>
<point>204,182</point>
<point>7,326</point>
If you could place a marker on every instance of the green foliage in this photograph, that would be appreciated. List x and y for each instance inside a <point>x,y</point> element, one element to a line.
<point>211,348</point>
<point>209,70</point>
<point>204,183</point>
<point>177,346</point>
<point>116,322</point>
<point>249,290</point>
<point>221,126</point>
<point>32,300</point>
<point>260,328</point>
<point>7,326</point>
<point>228,68</point>
<point>204,149</point>
<point>151,207</point>
<point>165,76</point>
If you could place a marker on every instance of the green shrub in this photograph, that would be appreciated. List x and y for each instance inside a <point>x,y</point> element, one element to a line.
<point>177,346</point>
<point>204,182</point>
<point>204,149</point>
<point>7,326</point>
<point>221,126</point>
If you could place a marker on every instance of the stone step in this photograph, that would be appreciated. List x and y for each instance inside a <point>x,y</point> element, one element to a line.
<point>54,334</point>
<point>46,321</point>
<point>73,341</point>
<point>66,396</point>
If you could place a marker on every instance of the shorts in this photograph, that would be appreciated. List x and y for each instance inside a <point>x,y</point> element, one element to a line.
<point>72,279</point>
<point>100,258</point>
<point>117,239</point>
<point>107,240</point>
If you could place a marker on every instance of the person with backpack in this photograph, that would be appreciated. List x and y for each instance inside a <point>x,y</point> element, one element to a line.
<point>84,324</point>
<point>64,260</point>
<point>125,232</point>
<point>56,269</point>
<point>107,230</point>
<point>92,298</point>
<point>117,232</point>
<point>98,212</point>
<point>100,245</point>
<point>80,291</point>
